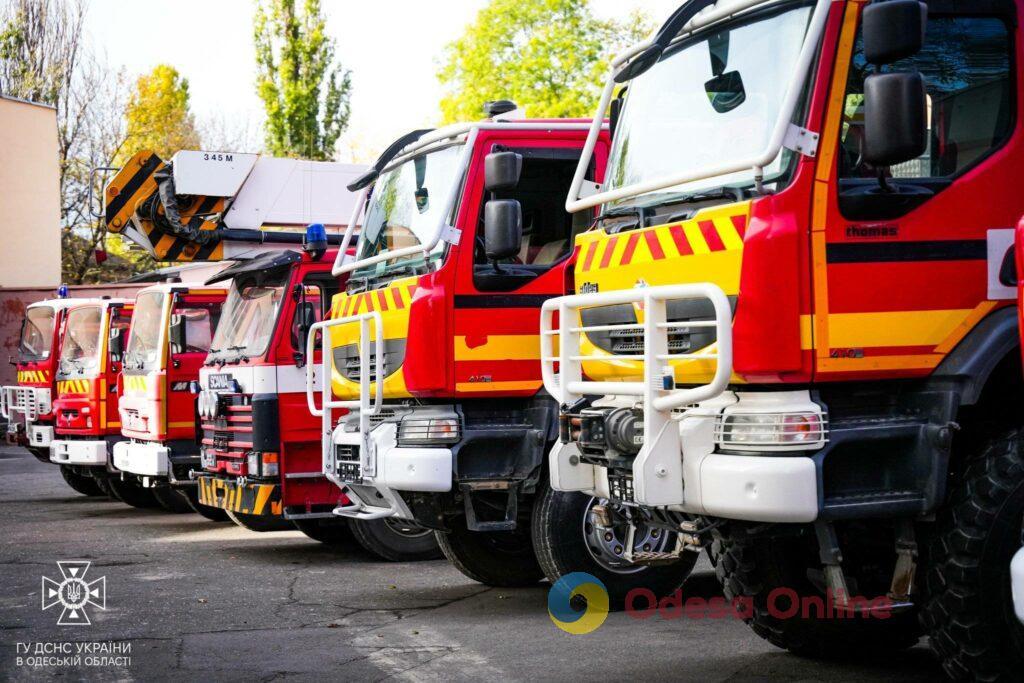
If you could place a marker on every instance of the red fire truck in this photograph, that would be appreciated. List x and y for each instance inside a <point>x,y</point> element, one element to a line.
<point>170,336</point>
<point>28,405</point>
<point>793,331</point>
<point>433,346</point>
<point>86,422</point>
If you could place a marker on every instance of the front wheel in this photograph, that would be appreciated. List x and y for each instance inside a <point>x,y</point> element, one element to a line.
<point>329,531</point>
<point>171,500</point>
<point>969,615</point>
<point>131,493</point>
<point>390,539</point>
<point>210,513</point>
<point>81,483</point>
<point>567,539</point>
<point>502,559</point>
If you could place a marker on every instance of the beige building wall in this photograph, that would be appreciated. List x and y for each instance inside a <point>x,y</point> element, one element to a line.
<point>29,195</point>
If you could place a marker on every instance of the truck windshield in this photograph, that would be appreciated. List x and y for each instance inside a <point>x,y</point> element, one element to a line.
<point>80,349</point>
<point>405,209</point>
<point>713,98</point>
<point>36,334</point>
<point>143,352</point>
<point>248,318</point>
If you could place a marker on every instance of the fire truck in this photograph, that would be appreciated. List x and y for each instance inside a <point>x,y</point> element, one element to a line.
<point>793,331</point>
<point>85,408</point>
<point>28,405</point>
<point>433,348</point>
<point>171,330</point>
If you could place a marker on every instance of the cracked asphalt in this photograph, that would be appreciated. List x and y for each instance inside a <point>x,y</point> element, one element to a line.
<point>201,599</point>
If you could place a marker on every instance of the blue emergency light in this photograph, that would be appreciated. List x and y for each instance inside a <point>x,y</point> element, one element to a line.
<point>316,240</point>
<point>62,292</point>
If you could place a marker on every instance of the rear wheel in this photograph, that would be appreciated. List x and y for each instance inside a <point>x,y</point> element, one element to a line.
<point>172,500</point>
<point>392,540</point>
<point>131,493</point>
<point>210,513</point>
<point>82,483</point>
<point>329,531</point>
<point>260,523</point>
<point>494,558</point>
<point>969,614</point>
<point>767,574</point>
<point>566,540</point>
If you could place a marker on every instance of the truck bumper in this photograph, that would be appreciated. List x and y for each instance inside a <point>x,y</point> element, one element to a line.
<point>1017,581</point>
<point>85,453</point>
<point>143,459</point>
<point>40,436</point>
<point>758,488</point>
<point>245,498</point>
<point>374,481</point>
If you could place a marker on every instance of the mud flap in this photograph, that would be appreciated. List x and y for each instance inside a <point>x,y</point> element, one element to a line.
<point>249,499</point>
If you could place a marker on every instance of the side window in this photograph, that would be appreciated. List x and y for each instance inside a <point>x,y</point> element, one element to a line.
<point>548,230</point>
<point>199,323</point>
<point>966,66</point>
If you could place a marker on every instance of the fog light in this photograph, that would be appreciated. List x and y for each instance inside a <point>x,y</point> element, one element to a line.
<point>253,462</point>
<point>771,431</point>
<point>429,431</point>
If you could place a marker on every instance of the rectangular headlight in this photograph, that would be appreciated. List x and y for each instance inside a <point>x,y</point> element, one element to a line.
<point>771,431</point>
<point>429,431</point>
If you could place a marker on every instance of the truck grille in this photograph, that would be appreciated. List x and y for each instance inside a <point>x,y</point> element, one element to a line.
<point>346,358</point>
<point>347,460</point>
<point>227,437</point>
<point>630,340</point>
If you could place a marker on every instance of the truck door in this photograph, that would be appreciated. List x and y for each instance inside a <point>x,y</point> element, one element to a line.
<point>191,330</point>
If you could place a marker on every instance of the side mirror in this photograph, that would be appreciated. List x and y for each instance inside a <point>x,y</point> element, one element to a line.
<point>176,334</point>
<point>726,91</point>
<point>893,30</point>
<point>502,170</point>
<point>116,344</point>
<point>305,318</point>
<point>503,228</point>
<point>895,118</point>
<point>615,112</point>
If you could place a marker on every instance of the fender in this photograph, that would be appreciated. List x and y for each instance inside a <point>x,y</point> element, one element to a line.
<point>972,362</point>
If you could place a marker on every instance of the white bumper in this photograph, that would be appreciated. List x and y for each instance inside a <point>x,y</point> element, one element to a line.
<point>146,459</point>
<point>1017,580</point>
<point>40,436</point>
<point>386,469</point>
<point>90,453</point>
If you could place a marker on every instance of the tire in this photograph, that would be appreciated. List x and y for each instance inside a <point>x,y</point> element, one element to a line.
<point>752,569</point>
<point>211,513</point>
<point>969,615</point>
<point>43,455</point>
<point>502,559</point>
<point>389,540</point>
<point>565,541</point>
<point>332,532</point>
<point>171,500</point>
<point>132,494</point>
<point>260,523</point>
<point>81,483</point>
<point>103,484</point>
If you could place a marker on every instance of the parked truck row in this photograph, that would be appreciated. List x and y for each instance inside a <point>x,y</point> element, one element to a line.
<point>764,305</point>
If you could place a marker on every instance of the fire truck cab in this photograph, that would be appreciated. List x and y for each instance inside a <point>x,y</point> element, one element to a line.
<point>793,330</point>
<point>171,331</point>
<point>86,421</point>
<point>433,347</point>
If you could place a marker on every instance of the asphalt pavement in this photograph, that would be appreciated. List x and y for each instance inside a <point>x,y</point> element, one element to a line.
<point>187,598</point>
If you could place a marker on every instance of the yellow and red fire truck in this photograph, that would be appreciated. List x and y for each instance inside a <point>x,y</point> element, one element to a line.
<point>792,331</point>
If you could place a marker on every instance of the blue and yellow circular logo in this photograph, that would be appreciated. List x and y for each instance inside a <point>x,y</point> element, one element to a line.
<point>567,617</point>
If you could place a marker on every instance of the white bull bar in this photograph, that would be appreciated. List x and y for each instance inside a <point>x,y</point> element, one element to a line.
<point>657,469</point>
<point>366,405</point>
<point>24,400</point>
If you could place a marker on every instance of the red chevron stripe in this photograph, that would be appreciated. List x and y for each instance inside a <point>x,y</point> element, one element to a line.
<point>711,236</point>
<point>382,300</point>
<point>679,237</point>
<point>627,255</point>
<point>607,258</point>
<point>396,294</point>
<point>740,223</point>
<point>654,245</point>
<point>589,258</point>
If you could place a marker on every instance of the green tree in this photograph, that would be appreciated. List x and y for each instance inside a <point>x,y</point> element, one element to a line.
<point>548,56</point>
<point>305,93</point>
<point>157,116</point>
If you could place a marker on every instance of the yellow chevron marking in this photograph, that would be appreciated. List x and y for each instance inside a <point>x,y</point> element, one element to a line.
<point>500,347</point>
<point>483,387</point>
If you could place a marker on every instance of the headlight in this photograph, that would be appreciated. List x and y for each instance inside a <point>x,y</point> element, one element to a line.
<point>773,431</point>
<point>429,431</point>
<point>253,460</point>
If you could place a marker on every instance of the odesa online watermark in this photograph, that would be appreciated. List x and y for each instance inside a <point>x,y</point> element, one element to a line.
<point>578,616</point>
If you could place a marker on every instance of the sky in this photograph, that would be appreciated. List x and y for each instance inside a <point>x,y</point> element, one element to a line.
<point>392,47</point>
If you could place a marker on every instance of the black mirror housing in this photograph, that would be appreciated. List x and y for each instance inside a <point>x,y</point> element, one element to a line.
<point>502,171</point>
<point>176,334</point>
<point>893,30</point>
<point>503,228</point>
<point>116,344</point>
<point>895,118</point>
